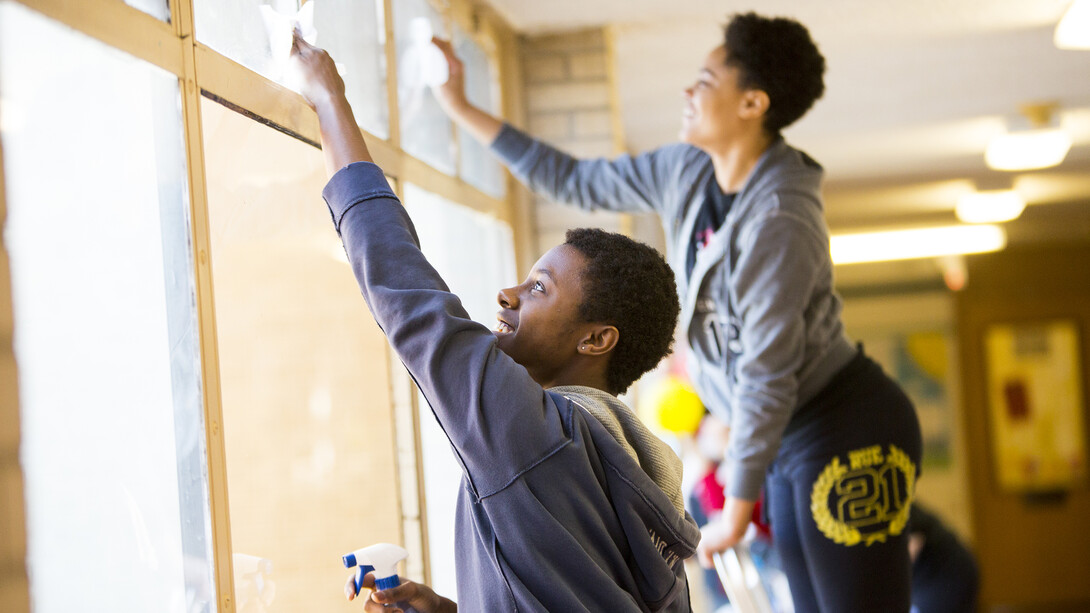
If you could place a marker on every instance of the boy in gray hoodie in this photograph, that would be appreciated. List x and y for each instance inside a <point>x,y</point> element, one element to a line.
<point>568,502</point>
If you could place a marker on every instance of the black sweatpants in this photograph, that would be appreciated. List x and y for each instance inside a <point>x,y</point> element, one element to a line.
<point>839,494</point>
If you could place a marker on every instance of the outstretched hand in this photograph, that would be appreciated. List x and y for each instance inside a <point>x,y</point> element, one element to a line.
<point>321,82</point>
<point>483,126</point>
<point>416,595</point>
<point>323,89</point>
<point>452,94</point>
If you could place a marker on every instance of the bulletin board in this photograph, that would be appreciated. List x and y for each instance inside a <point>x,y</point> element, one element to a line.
<point>1036,405</point>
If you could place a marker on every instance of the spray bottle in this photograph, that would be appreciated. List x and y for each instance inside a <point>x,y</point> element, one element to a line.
<point>382,559</point>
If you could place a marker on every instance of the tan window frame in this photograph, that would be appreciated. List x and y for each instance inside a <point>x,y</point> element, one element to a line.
<point>201,71</point>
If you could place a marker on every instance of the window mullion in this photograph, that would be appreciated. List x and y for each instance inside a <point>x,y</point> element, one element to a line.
<point>182,16</point>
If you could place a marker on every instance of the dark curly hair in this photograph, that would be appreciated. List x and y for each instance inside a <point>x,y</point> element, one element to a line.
<point>627,284</point>
<point>777,56</point>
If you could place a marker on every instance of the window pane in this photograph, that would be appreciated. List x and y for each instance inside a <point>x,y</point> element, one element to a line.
<point>477,165</point>
<point>257,34</point>
<point>426,132</point>
<point>105,325</point>
<point>238,30</point>
<point>475,275</point>
<point>354,33</point>
<point>307,413</point>
<point>156,8</point>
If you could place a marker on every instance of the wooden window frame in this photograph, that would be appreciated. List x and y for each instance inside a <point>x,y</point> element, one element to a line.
<point>203,72</point>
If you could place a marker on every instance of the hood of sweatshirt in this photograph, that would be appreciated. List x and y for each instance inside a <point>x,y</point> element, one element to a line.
<point>644,478</point>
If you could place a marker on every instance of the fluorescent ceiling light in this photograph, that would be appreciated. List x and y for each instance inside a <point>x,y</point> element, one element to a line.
<point>991,206</point>
<point>1073,31</point>
<point>918,243</point>
<point>1028,149</point>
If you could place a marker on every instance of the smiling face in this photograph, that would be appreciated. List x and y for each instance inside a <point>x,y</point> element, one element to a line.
<point>539,324</point>
<point>716,109</point>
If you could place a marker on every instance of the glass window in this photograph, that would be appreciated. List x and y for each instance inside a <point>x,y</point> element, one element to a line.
<point>156,8</point>
<point>476,276</point>
<point>426,132</point>
<point>304,375</point>
<point>477,165</point>
<point>106,338</point>
<point>354,33</point>
<point>236,28</point>
<point>257,34</point>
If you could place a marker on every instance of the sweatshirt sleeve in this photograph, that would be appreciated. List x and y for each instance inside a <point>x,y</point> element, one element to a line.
<point>499,421</point>
<point>630,184</point>
<point>773,280</point>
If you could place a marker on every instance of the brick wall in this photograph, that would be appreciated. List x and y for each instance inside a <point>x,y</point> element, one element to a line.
<point>571,104</point>
<point>14,596</point>
<point>568,104</point>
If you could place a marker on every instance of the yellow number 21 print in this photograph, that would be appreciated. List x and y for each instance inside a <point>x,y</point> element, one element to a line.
<point>866,499</point>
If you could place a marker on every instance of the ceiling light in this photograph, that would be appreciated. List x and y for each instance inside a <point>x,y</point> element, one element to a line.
<point>990,206</point>
<point>1028,150</point>
<point>917,243</point>
<point>1073,31</point>
<point>1042,146</point>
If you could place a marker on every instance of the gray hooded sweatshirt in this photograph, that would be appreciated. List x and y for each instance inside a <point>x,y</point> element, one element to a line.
<point>759,311</point>
<point>567,503</point>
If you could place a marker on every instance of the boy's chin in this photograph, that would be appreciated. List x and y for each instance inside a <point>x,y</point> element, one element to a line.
<point>502,341</point>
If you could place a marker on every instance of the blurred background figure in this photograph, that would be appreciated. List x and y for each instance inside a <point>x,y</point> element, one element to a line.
<point>945,578</point>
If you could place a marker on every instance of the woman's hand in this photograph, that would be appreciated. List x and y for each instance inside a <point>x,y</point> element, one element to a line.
<point>726,531</point>
<point>452,94</point>
<point>416,595</point>
<point>481,125</point>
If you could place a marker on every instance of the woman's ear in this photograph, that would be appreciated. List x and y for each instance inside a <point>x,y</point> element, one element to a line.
<point>755,103</point>
<point>599,341</point>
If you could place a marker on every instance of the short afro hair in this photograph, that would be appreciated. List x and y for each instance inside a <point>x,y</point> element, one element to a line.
<point>777,56</point>
<point>628,285</point>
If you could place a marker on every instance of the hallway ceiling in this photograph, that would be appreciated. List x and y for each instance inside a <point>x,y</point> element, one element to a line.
<point>915,90</point>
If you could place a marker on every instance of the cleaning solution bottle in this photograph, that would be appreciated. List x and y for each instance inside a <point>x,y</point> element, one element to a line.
<point>382,559</point>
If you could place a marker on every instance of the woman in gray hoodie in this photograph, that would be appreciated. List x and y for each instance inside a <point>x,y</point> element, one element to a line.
<point>833,441</point>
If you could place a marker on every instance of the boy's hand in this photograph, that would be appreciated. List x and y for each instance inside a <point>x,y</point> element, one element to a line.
<point>320,81</point>
<point>416,595</point>
<point>452,94</point>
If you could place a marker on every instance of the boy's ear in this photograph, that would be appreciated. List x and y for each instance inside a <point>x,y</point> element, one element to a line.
<point>599,341</point>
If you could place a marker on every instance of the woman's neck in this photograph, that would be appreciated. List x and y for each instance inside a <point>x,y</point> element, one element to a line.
<point>734,163</point>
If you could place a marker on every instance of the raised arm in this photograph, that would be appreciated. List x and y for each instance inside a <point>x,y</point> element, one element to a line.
<point>643,183</point>
<point>323,89</point>
<point>482,126</point>
<point>497,418</point>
